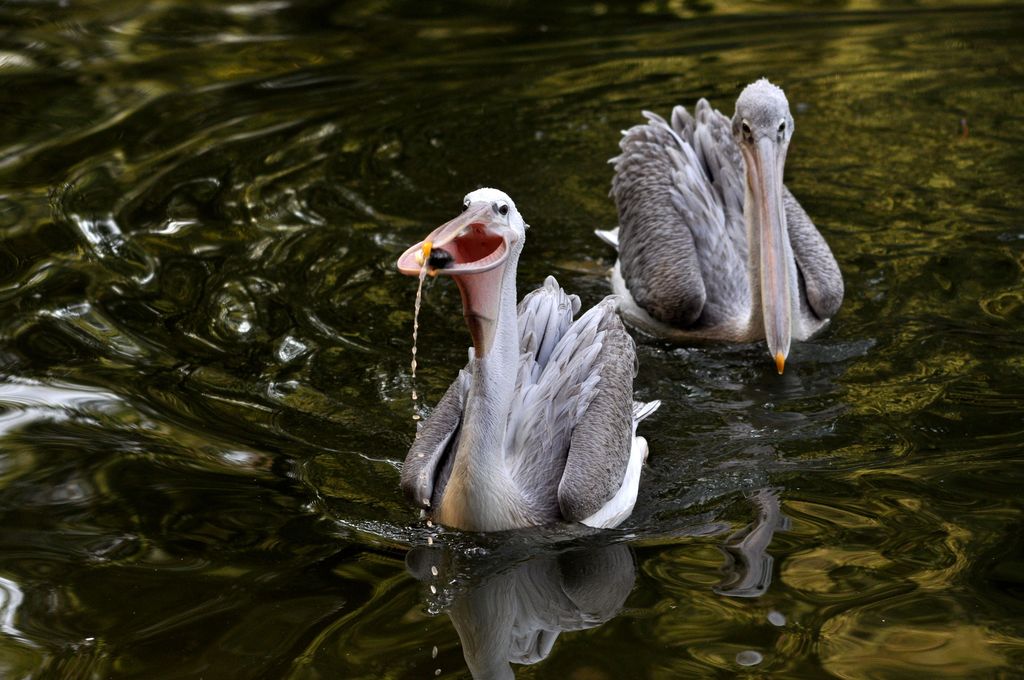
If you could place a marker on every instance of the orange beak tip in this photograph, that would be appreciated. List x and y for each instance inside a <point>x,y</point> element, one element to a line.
<point>780,362</point>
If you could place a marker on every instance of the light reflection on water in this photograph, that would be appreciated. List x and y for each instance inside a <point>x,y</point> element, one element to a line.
<point>204,349</point>
<point>10,599</point>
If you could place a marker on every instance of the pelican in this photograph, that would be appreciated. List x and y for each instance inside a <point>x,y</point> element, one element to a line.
<point>541,424</point>
<point>712,245</point>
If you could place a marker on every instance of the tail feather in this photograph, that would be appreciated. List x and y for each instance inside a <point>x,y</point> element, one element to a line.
<point>643,409</point>
<point>609,236</point>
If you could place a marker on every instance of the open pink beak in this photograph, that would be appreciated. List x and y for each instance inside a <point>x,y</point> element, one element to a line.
<point>464,245</point>
<point>467,249</point>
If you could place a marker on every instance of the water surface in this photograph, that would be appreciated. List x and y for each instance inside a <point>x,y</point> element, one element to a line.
<point>204,344</point>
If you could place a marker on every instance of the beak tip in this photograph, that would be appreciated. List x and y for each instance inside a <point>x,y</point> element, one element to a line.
<point>411,262</point>
<point>780,362</point>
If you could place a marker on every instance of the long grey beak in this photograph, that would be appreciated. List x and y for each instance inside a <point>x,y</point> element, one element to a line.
<point>765,181</point>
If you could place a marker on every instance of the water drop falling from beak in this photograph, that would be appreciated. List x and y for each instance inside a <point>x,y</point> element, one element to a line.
<point>422,258</point>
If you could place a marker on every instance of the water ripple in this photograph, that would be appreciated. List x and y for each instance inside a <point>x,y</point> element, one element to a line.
<point>205,346</point>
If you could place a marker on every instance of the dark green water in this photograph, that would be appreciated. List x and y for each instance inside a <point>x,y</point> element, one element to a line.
<point>204,345</point>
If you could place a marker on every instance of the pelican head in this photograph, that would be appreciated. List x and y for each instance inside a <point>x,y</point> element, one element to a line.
<point>476,248</point>
<point>763,126</point>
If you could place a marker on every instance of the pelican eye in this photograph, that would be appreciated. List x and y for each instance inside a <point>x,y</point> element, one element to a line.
<point>782,126</point>
<point>747,134</point>
<point>503,209</point>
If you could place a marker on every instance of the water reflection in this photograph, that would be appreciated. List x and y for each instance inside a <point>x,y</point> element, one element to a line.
<point>10,599</point>
<point>748,565</point>
<point>510,595</point>
<point>510,609</point>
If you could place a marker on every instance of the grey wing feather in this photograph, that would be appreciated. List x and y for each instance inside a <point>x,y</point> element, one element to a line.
<point>716,147</point>
<point>823,282</point>
<point>721,236</point>
<point>602,438</point>
<point>656,250</point>
<point>544,316</point>
<point>422,481</point>
<point>556,383</point>
<point>539,412</point>
<point>679,190</point>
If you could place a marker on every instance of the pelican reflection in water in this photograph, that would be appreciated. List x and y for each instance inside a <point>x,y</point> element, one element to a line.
<point>512,609</point>
<point>748,567</point>
<point>541,424</point>
<point>712,245</point>
<point>510,600</point>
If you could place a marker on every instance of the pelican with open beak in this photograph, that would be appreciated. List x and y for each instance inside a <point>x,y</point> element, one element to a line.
<point>540,426</point>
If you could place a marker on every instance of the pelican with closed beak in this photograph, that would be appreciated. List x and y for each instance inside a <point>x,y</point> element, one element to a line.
<point>712,245</point>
